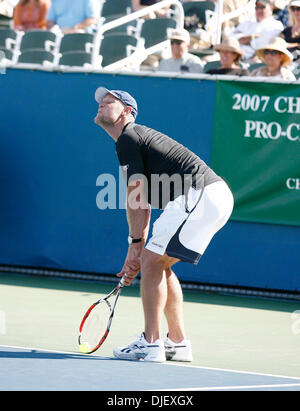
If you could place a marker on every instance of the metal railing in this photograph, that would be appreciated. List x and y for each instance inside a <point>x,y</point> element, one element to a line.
<point>218,18</point>
<point>103,27</point>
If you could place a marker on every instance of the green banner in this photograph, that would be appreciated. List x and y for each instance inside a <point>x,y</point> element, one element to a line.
<point>256,149</point>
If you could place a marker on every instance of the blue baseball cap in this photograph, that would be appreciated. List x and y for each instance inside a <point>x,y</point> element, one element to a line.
<point>123,96</point>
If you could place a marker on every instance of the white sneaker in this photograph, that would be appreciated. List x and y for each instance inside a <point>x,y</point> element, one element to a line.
<point>142,350</point>
<point>178,351</point>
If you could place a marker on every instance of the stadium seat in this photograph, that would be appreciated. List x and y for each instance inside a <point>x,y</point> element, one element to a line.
<point>155,31</point>
<point>75,59</point>
<point>73,42</point>
<point>197,9</point>
<point>255,66</point>
<point>36,57</point>
<point>128,28</point>
<point>112,7</point>
<point>117,46</point>
<point>9,44</point>
<point>7,54</point>
<point>296,72</point>
<point>38,40</point>
<point>212,65</point>
<point>5,21</point>
<point>8,38</point>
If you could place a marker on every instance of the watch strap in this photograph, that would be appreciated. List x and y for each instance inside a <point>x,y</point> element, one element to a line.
<point>136,240</point>
<point>132,240</point>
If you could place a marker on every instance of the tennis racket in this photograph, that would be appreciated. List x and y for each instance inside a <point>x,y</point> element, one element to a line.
<point>96,322</point>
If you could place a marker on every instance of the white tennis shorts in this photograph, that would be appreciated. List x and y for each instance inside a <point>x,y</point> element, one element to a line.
<point>187,224</point>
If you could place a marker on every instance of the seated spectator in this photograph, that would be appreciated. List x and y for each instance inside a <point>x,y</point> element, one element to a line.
<point>291,34</point>
<point>277,58</point>
<point>73,16</point>
<point>230,56</point>
<point>141,4</point>
<point>181,60</point>
<point>281,11</point>
<point>30,14</point>
<point>255,34</point>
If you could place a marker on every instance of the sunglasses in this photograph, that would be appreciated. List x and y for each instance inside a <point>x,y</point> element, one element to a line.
<point>260,7</point>
<point>295,8</point>
<point>178,42</point>
<point>272,52</point>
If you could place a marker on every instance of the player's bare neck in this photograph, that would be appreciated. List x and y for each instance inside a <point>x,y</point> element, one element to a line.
<point>116,130</point>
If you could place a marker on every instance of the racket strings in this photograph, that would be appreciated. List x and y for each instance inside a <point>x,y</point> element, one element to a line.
<point>95,325</point>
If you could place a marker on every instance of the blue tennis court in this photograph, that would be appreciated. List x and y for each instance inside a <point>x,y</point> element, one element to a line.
<point>34,369</point>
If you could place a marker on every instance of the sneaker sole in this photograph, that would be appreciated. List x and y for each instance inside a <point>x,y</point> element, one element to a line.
<point>147,358</point>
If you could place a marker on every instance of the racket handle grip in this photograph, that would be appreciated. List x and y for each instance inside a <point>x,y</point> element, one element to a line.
<point>122,283</point>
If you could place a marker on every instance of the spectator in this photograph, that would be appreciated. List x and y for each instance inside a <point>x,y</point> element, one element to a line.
<point>255,34</point>
<point>291,34</point>
<point>277,58</point>
<point>281,11</point>
<point>75,16</point>
<point>181,60</point>
<point>30,14</point>
<point>141,4</point>
<point>230,56</point>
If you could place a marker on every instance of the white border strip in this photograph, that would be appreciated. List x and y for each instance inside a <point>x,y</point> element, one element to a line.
<point>187,76</point>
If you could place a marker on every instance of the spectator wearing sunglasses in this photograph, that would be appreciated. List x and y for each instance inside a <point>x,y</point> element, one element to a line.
<point>277,60</point>
<point>230,57</point>
<point>181,61</point>
<point>291,34</point>
<point>253,35</point>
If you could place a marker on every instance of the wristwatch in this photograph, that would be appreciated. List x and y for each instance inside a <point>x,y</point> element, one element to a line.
<point>132,240</point>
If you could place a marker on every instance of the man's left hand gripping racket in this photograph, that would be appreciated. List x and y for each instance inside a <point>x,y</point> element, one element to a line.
<point>96,322</point>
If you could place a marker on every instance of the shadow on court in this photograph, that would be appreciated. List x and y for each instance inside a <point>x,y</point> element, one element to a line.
<point>38,355</point>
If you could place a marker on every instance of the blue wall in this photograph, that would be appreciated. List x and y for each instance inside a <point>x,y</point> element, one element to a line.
<point>52,153</point>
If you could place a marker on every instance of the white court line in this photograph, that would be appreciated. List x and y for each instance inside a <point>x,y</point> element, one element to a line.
<point>230,370</point>
<point>164,364</point>
<point>229,387</point>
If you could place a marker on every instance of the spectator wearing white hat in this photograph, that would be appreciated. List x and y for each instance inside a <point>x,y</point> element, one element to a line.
<point>277,59</point>
<point>291,34</point>
<point>181,61</point>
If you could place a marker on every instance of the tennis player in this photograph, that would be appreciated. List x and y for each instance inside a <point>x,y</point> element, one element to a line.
<point>195,204</point>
